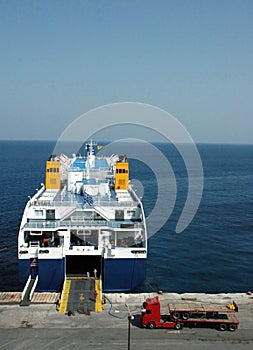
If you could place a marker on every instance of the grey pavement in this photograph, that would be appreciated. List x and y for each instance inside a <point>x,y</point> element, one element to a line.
<point>42,327</point>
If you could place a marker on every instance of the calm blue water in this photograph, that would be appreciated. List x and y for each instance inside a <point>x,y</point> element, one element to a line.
<point>214,254</point>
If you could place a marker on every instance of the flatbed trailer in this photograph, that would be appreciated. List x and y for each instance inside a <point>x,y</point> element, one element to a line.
<point>178,315</point>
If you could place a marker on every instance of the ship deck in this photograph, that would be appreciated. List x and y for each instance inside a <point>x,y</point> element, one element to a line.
<point>67,198</point>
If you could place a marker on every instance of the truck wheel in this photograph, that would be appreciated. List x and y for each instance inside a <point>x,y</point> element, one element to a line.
<point>232,327</point>
<point>151,325</point>
<point>185,316</point>
<point>178,326</point>
<point>222,327</point>
<point>176,315</point>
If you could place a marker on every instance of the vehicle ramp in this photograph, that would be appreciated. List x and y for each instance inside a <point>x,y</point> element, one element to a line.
<point>28,291</point>
<point>82,295</point>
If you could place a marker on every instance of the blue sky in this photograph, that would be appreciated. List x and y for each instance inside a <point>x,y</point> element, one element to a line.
<point>60,59</point>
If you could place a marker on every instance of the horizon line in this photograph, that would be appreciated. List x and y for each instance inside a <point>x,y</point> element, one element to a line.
<point>152,141</point>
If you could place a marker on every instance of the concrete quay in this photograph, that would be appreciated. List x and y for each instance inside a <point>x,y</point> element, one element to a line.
<point>40,326</point>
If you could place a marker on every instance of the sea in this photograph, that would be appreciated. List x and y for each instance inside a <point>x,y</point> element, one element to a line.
<point>214,254</point>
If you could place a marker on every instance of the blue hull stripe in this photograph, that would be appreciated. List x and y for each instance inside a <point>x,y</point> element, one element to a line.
<point>123,274</point>
<point>51,274</point>
<point>119,274</point>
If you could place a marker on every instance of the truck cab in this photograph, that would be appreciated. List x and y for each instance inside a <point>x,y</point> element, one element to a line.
<point>151,316</point>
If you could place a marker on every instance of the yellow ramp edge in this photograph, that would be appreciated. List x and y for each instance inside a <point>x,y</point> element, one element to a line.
<point>98,289</point>
<point>64,297</point>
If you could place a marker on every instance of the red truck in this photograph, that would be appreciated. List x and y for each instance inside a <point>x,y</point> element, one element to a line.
<point>178,315</point>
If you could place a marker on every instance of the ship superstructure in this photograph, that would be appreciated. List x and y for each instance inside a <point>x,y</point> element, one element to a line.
<point>85,221</point>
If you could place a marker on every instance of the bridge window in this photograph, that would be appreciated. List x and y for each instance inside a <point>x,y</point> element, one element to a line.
<point>38,212</point>
<point>50,214</point>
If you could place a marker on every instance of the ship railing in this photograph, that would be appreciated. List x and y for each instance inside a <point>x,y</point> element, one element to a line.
<point>73,203</point>
<point>95,202</point>
<point>113,203</point>
<point>88,223</point>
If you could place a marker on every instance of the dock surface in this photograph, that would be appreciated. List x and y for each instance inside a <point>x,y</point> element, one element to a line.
<point>40,326</point>
<point>38,298</point>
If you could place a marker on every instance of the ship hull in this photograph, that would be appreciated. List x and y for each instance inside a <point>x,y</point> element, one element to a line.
<point>123,274</point>
<point>118,274</point>
<point>50,271</point>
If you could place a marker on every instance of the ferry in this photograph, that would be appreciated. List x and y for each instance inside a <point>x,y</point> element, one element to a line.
<point>85,221</point>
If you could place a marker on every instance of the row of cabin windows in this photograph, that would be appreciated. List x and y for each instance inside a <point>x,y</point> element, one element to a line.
<point>43,238</point>
<point>119,239</point>
<point>53,170</point>
<point>50,213</point>
<point>121,171</point>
